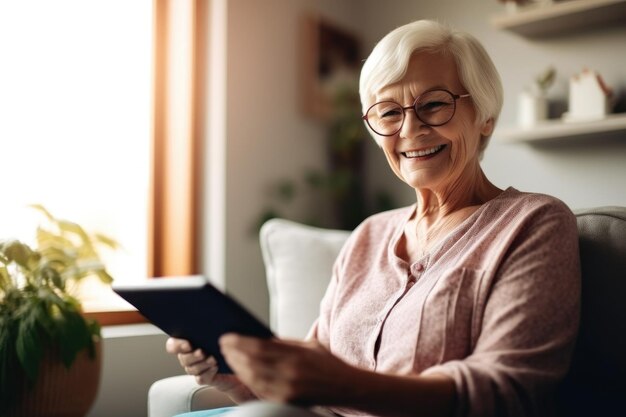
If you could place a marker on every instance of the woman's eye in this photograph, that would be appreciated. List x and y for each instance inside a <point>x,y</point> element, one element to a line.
<point>391,113</point>
<point>433,106</point>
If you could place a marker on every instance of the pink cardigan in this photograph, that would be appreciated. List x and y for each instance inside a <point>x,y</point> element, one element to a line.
<point>495,306</point>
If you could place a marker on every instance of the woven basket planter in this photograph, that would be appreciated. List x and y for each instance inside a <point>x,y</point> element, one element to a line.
<point>61,392</point>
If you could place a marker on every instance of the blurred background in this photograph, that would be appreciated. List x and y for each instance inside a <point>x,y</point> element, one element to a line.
<point>177,127</point>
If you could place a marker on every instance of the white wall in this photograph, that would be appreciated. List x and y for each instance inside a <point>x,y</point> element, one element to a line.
<point>583,174</point>
<point>268,138</point>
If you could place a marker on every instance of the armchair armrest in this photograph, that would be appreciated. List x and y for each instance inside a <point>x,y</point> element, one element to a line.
<point>298,261</point>
<point>181,394</point>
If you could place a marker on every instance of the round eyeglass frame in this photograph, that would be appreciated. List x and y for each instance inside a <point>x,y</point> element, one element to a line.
<point>455,97</point>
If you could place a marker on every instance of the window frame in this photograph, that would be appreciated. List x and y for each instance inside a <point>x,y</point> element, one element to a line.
<point>175,223</point>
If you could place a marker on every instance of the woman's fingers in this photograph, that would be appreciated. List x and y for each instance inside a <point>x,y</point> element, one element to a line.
<point>204,368</point>
<point>250,345</point>
<point>175,345</point>
<point>193,358</point>
<point>207,365</point>
<point>204,371</point>
<point>206,377</point>
<point>188,358</point>
<point>280,370</point>
<point>267,350</point>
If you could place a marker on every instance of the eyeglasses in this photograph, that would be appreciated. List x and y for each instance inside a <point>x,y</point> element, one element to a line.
<point>433,108</point>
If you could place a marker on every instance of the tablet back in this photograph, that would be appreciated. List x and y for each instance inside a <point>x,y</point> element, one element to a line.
<point>193,309</point>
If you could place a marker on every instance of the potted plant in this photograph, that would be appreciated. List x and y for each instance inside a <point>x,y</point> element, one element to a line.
<point>341,185</point>
<point>533,103</point>
<point>43,334</point>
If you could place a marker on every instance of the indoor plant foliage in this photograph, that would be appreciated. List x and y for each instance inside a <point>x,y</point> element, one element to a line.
<point>342,184</point>
<point>38,312</point>
<point>545,79</point>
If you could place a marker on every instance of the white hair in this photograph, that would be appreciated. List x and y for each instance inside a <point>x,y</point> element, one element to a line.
<point>390,58</point>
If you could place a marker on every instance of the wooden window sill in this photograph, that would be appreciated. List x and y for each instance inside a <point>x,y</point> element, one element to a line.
<point>110,318</point>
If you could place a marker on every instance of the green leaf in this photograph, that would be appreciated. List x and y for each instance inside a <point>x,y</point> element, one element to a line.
<point>5,279</point>
<point>95,330</point>
<point>46,236</point>
<point>71,227</point>
<point>91,264</point>
<point>42,210</point>
<point>75,336</point>
<point>8,360</point>
<point>50,298</point>
<point>41,312</point>
<point>70,304</point>
<point>47,311</point>
<point>105,240</point>
<point>56,279</point>
<point>28,346</point>
<point>18,252</point>
<point>104,276</point>
<point>3,259</point>
<point>48,241</point>
<point>51,278</point>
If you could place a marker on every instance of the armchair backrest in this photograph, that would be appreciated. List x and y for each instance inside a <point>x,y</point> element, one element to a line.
<point>596,383</point>
<point>298,264</point>
<point>299,259</point>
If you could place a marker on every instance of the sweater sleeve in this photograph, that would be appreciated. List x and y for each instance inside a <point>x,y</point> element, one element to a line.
<point>529,322</point>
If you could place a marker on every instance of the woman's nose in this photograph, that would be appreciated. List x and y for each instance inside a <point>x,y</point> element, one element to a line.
<point>412,125</point>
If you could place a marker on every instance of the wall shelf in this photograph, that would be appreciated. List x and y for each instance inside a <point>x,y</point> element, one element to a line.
<point>562,17</point>
<point>558,129</point>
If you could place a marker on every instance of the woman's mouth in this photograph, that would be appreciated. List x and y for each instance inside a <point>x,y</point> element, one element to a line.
<point>424,152</point>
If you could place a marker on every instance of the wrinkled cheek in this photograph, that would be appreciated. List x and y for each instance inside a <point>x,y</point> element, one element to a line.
<point>465,146</point>
<point>473,140</point>
<point>394,163</point>
<point>458,158</point>
<point>459,149</point>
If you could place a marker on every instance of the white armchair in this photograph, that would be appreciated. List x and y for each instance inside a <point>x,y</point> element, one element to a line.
<point>298,262</point>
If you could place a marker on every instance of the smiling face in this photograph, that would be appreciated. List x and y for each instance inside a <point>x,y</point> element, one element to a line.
<point>428,157</point>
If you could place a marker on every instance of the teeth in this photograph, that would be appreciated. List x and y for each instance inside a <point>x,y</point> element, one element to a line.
<point>423,152</point>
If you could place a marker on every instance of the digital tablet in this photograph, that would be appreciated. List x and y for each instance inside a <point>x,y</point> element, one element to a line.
<point>193,309</point>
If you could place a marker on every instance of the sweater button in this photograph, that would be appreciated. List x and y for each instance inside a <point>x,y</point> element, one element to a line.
<point>419,267</point>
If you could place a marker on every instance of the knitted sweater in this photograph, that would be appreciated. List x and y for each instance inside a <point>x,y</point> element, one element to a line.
<point>494,306</point>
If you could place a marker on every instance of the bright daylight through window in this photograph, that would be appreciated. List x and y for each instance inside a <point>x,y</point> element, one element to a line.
<point>75,101</point>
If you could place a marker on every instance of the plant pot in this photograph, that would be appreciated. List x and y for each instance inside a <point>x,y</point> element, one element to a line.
<point>61,392</point>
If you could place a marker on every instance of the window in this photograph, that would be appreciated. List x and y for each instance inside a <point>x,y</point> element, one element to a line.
<point>101,106</point>
<point>75,123</point>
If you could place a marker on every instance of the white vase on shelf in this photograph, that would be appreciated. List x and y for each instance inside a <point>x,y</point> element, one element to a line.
<point>532,108</point>
<point>510,7</point>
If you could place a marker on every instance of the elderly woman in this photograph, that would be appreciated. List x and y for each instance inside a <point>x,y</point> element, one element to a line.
<point>464,303</point>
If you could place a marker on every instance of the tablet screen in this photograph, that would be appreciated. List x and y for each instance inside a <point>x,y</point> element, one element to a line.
<point>193,309</point>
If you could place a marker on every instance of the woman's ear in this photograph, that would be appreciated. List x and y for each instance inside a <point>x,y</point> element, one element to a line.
<point>487,127</point>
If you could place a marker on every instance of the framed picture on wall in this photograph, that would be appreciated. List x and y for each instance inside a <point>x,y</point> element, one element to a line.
<point>331,60</point>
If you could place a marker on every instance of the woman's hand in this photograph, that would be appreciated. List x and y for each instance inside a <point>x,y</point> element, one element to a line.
<point>205,370</point>
<point>304,373</point>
